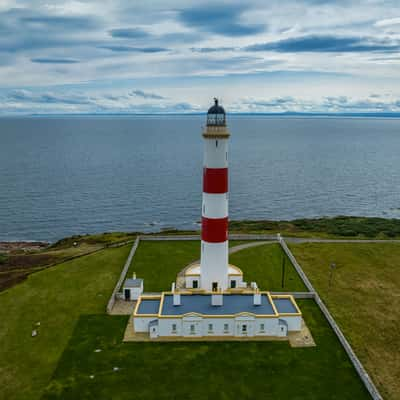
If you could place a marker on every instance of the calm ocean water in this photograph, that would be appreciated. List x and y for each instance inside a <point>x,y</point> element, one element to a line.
<point>64,176</point>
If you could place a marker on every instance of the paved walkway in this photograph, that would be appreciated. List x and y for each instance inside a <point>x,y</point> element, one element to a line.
<point>122,307</point>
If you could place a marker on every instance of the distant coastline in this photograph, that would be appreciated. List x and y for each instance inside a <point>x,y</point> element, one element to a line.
<point>257,114</point>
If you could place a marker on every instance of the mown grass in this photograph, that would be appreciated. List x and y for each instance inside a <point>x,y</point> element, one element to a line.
<point>364,298</point>
<point>263,264</point>
<point>209,370</point>
<point>340,226</point>
<point>55,297</point>
<point>158,262</point>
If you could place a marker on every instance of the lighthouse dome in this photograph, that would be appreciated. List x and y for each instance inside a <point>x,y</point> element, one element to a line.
<point>216,115</point>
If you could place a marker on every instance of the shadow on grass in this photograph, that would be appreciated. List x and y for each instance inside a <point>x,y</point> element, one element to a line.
<point>218,370</point>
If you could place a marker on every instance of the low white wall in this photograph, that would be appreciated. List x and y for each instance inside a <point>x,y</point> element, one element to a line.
<point>141,324</point>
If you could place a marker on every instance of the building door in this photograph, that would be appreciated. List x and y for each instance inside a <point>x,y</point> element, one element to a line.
<point>233,284</point>
<point>195,284</point>
<point>127,294</point>
<point>214,286</point>
<point>244,329</point>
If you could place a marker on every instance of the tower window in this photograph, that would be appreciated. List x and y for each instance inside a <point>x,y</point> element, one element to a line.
<point>226,156</point>
<point>216,143</point>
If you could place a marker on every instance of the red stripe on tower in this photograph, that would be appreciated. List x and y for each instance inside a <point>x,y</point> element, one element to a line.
<point>215,180</point>
<point>214,230</point>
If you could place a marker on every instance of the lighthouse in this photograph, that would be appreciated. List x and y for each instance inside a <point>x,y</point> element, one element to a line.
<point>214,267</point>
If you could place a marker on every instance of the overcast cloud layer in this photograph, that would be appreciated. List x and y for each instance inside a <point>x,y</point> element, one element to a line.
<point>174,56</point>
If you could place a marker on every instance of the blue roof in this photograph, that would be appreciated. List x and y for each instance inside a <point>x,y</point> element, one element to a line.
<point>284,305</point>
<point>201,304</point>
<point>148,306</point>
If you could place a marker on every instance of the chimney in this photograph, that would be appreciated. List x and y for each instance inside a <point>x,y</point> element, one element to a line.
<point>177,299</point>
<point>257,298</point>
<point>134,275</point>
<point>217,299</point>
<point>173,287</point>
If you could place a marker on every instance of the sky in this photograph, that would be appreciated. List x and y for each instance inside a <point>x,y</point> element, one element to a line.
<point>172,56</point>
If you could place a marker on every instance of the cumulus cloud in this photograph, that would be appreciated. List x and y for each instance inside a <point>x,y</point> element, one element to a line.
<point>222,19</point>
<point>133,49</point>
<point>147,95</point>
<point>326,44</point>
<point>129,33</point>
<point>54,60</point>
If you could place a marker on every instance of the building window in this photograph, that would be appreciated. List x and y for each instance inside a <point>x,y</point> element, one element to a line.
<point>173,328</point>
<point>244,328</point>
<point>192,329</point>
<point>210,327</point>
<point>226,328</point>
<point>262,328</point>
<point>195,284</point>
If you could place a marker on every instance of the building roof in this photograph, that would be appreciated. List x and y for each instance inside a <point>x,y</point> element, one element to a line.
<point>201,304</point>
<point>216,108</point>
<point>133,283</point>
<point>148,306</point>
<point>284,305</point>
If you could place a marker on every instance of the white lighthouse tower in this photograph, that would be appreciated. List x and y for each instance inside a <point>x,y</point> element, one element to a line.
<point>214,266</point>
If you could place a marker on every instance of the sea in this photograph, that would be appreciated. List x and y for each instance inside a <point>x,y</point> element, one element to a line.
<point>67,175</point>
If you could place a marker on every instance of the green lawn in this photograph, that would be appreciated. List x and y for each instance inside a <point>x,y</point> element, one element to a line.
<point>364,299</point>
<point>263,264</point>
<point>213,370</point>
<point>55,297</point>
<point>159,262</point>
<point>69,300</point>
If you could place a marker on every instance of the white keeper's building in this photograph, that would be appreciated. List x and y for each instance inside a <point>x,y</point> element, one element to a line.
<point>210,298</point>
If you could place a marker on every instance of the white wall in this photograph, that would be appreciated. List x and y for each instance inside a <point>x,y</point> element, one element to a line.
<point>141,324</point>
<point>214,265</point>
<point>189,281</point>
<point>215,205</point>
<point>216,156</point>
<point>294,323</point>
<point>271,326</point>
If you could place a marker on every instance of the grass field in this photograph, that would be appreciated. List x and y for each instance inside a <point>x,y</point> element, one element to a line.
<point>69,301</point>
<point>159,262</point>
<point>364,299</point>
<point>54,297</point>
<point>219,370</point>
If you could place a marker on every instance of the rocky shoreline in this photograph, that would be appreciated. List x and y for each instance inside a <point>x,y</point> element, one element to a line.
<point>26,246</point>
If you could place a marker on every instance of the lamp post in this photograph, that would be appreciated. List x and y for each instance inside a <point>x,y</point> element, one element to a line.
<point>332,268</point>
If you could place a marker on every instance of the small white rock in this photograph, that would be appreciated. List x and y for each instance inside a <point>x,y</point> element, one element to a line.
<point>97,351</point>
<point>91,376</point>
<point>38,323</point>
<point>115,369</point>
<point>34,333</point>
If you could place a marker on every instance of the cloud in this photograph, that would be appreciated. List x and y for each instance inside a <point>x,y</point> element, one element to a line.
<point>211,49</point>
<point>50,60</point>
<point>325,44</point>
<point>219,18</point>
<point>129,33</point>
<point>388,22</point>
<point>55,22</point>
<point>147,95</point>
<point>133,49</point>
